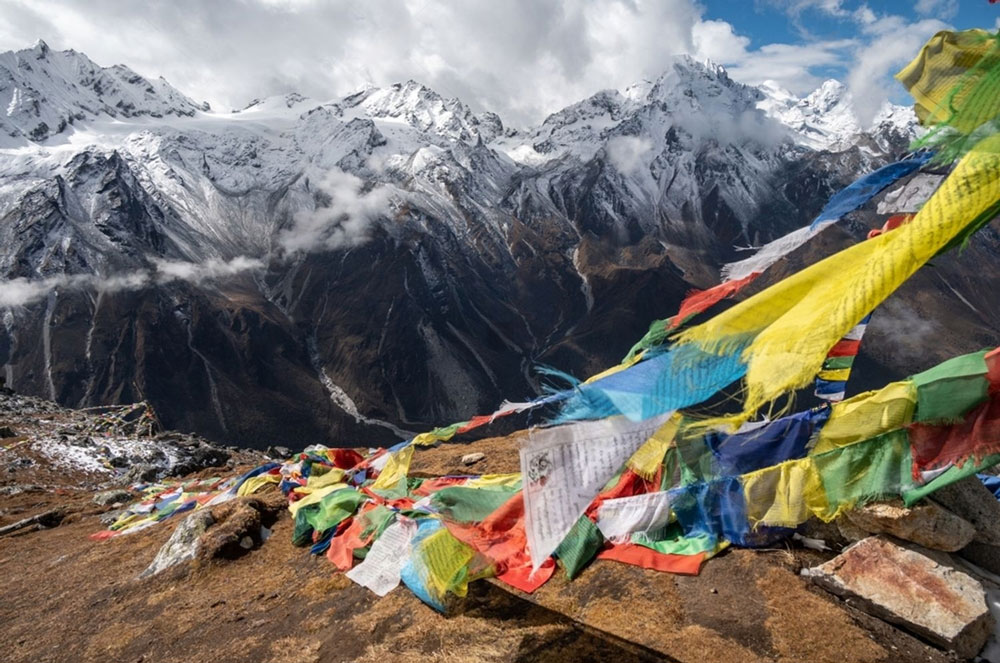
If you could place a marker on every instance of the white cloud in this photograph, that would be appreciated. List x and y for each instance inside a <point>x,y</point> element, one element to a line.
<point>790,65</point>
<point>22,291</point>
<point>942,9</point>
<point>521,58</point>
<point>167,270</point>
<point>717,41</point>
<point>342,218</point>
<point>869,78</point>
<point>629,153</point>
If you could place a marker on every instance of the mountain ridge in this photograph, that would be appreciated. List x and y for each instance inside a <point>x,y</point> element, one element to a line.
<point>368,266</point>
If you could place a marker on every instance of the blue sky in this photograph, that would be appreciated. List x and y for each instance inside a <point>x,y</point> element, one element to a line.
<point>767,22</point>
<point>522,59</point>
<point>798,43</point>
<point>764,22</point>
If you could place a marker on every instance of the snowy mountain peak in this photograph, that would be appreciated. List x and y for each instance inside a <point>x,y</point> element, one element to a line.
<point>826,119</point>
<point>691,83</point>
<point>426,110</point>
<point>828,96</point>
<point>43,92</point>
<point>773,90</point>
<point>277,102</point>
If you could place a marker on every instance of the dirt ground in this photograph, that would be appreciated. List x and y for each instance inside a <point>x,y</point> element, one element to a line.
<point>66,597</point>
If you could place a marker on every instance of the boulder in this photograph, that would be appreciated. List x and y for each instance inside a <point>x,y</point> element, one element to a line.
<point>971,500</point>
<point>913,588</point>
<point>108,518</point>
<point>849,531</point>
<point>982,555</point>
<point>926,524</point>
<point>278,452</point>
<point>183,544</point>
<point>140,473</point>
<point>241,525</point>
<point>109,497</point>
<point>198,457</point>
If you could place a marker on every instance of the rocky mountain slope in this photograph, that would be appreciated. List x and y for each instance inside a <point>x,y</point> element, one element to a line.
<point>349,270</point>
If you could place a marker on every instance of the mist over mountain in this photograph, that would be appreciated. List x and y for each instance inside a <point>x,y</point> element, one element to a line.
<point>347,270</point>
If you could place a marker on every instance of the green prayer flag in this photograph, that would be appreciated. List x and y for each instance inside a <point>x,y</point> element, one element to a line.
<point>837,363</point>
<point>948,391</point>
<point>948,477</point>
<point>579,547</point>
<point>469,505</point>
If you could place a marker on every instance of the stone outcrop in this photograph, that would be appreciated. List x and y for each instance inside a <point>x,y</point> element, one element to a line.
<point>970,500</point>
<point>240,525</point>
<point>183,544</point>
<point>912,588</point>
<point>926,524</point>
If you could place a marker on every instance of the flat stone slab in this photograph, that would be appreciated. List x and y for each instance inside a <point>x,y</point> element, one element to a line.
<point>928,524</point>
<point>909,587</point>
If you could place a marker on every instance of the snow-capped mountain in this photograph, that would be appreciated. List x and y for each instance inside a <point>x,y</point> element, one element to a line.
<point>45,92</point>
<point>350,269</point>
<point>826,120</point>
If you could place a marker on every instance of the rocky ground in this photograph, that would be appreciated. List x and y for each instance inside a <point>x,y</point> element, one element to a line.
<point>68,597</point>
<point>45,446</point>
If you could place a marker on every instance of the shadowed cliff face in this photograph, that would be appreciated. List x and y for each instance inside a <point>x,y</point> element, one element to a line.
<point>350,272</point>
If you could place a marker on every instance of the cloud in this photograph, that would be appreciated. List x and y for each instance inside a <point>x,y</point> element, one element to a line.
<point>629,154</point>
<point>869,78</point>
<point>790,65</point>
<point>942,9</point>
<point>342,217</point>
<point>521,58</point>
<point>798,10</point>
<point>22,291</point>
<point>717,41</point>
<point>196,273</point>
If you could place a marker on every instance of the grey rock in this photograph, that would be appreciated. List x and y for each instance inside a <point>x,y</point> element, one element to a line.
<point>913,588</point>
<point>182,546</point>
<point>198,458</point>
<point>110,497</point>
<point>20,464</point>
<point>970,499</point>
<point>982,555</point>
<point>278,452</point>
<point>7,431</point>
<point>140,473</point>
<point>108,518</point>
<point>927,524</point>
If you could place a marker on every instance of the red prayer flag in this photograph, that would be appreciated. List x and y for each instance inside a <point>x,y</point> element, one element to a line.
<point>647,558</point>
<point>699,301</point>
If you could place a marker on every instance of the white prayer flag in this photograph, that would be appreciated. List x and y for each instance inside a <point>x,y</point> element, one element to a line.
<point>563,469</point>
<point>619,518</point>
<point>380,569</point>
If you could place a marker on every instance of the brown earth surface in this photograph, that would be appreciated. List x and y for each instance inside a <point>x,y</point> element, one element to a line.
<point>69,598</point>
